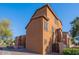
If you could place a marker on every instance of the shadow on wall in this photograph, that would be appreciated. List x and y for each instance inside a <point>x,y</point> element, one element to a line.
<point>54,47</point>
<point>49,47</point>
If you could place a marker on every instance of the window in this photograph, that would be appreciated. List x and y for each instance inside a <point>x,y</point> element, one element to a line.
<point>42,12</point>
<point>55,21</point>
<point>52,29</point>
<point>46,26</point>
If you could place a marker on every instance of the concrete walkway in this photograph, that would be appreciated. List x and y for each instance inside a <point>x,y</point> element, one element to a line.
<point>21,51</point>
<point>11,51</point>
<point>2,52</point>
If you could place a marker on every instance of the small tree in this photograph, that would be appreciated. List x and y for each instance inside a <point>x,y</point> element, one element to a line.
<point>75,27</point>
<point>5,31</point>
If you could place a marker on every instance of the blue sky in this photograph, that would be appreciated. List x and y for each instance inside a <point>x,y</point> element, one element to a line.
<point>20,14</point>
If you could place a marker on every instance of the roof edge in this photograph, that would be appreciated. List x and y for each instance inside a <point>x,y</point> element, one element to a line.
<point>47,5</point>
<point>36,18</point>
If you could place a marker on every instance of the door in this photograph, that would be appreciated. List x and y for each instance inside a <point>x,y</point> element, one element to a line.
<point>55,47</point>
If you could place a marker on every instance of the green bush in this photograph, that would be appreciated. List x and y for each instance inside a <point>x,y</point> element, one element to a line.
<point>7,42</point>
<point>71,51</point>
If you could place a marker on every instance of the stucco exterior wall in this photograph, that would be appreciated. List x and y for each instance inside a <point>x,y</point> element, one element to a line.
<point>17,42</point>
<point>47,35</point>
<point>40,12</point>
<point>20,41</point>
<point>34,40</point>
<point>53,24</point>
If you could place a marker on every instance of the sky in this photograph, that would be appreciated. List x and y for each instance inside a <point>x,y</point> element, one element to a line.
<point>20,13</point>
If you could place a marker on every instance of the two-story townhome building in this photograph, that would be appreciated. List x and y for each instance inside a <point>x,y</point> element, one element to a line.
<point>43,32</point>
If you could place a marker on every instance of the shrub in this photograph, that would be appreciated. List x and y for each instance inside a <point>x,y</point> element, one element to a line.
<point>7,42</point>
<point>71,51</point>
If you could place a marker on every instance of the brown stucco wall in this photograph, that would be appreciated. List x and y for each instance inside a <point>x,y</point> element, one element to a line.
<point>20,41</point>
<point>39,12</point>
<point>47,35</point>
<point>34,40</point>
